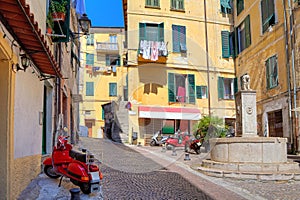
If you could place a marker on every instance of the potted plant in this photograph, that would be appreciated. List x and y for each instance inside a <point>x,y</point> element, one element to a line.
<point>58,10</point>
<point>210,127</point>
<point>49,23</point>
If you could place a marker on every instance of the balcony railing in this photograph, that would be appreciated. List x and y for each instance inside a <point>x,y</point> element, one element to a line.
<point>107,47</point>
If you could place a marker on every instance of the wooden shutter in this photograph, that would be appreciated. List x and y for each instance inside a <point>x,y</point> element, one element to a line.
<point>142,30</point>
<point>171,87</point>
<point>191,80</point>
<point>182,36</point>
<point>247,32</point>
<point>221,87</point>
<point>225,44</point>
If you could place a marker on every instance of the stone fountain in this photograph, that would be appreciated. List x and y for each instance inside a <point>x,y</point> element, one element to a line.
<point>248,156</point>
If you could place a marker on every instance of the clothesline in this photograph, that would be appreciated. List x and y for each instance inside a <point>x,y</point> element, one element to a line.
<point>152,49</point>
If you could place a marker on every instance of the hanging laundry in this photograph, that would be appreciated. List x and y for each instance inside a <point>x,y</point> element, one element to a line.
<point>142,47</point>
<point>147,49</point>
<point>154,51</point>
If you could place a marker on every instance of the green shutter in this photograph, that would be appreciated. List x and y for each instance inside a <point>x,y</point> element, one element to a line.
<point>239,6</point>
<point>102,113</point>
<point>191,80</point>
<point>221,87</point>
<point>268,73</point>
<point>161,32</point>
<point>235,85</point>
<point>225,44</point>
<point>112,89</point>
<point>107,60</point>
<point>236,43</point>
<point>171,87</point>
<point>142,30</point>
<point>199,92</point>
<point>89,89</point>
<point>175,38</point>
<point>247,31</point>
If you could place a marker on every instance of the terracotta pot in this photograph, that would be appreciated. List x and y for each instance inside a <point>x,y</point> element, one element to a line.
<point>49,30</point>
<point>59,16</point>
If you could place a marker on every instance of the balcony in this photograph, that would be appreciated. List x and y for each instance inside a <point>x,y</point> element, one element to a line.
<point>107,47</point>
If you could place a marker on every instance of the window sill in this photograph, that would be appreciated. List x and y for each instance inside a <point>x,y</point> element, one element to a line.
<point>177,10</point>
<point>153,7</point>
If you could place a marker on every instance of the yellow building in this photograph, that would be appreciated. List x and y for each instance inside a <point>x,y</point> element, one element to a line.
<point>103,78</point>
<point>179,68</point>
<point>264,49</point>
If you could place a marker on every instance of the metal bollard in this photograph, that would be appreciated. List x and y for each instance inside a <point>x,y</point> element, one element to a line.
<point>75,193</point>
<point>174,152</point>
<point>187,156</point>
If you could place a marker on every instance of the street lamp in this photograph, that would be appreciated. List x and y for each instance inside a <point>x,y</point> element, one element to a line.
<point>85,24</point>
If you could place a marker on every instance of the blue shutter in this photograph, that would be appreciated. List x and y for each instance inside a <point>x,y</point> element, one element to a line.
<point>89,59</point>
<point>175,38</point>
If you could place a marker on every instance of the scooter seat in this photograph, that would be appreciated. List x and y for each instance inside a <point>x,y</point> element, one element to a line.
<point>78,155</point>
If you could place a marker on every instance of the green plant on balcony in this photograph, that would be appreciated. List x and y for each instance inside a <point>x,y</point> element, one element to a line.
<point>58,9</point>
<point>49,23</point>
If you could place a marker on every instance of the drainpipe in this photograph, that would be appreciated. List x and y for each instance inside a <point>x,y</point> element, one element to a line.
<point>291,130</point>
<point>292,38</point>
<point>207,60</point>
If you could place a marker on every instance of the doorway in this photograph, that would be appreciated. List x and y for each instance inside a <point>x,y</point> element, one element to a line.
<point>275,123</point>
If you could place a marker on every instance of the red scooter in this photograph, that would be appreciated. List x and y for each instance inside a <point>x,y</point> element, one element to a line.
<point>81,167</point>
<point>179,140</point>
<point>194,144</point>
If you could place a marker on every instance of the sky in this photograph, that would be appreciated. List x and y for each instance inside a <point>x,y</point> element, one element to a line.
<point>108,13</point>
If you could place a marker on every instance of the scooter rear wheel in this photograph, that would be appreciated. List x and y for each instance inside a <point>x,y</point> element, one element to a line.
<point>49,171</point>
<point>152,143</point>
<point>85,188</point>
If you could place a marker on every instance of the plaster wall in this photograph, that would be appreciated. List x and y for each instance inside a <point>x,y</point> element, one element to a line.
<point>28,103</point>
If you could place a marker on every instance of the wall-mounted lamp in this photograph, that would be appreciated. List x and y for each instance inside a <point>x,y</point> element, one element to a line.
<point>25,61</point>
<point>85,24</point>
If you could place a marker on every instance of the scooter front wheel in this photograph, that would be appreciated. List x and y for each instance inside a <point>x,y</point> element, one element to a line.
<point>85,188</point>
<point>49,171</point>
<point>152,143</point>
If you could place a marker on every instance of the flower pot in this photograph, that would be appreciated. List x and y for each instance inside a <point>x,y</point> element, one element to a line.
<point>58,16</point>
<point>49,30</point>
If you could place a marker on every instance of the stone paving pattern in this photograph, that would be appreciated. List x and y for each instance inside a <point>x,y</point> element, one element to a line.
<point>138,172</point>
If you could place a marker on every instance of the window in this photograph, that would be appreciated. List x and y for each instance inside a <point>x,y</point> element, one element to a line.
<point>152,3</point>
<point>88,112</point>
<point>225,6</point>
<point>90,39</point>
<point>177,4</point>
<point>113,38</point>
<point>201,92</point>
<point>179,38</point>
<point>181,88</point>
<point>226,88</point>
<point>112,60</point>
<point>112,89</point>
<point>89,59</point>
<point>243,34</point>
<point>267,14</point>
<point>151,32</point>
<point>239,6</point>
<point>272,72</point>
<point>89,89</point>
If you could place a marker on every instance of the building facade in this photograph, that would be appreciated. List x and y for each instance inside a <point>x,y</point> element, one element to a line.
<point>39,87</point>
<point>178,66</point>
<point>267,50</point>
<point>103,77</point>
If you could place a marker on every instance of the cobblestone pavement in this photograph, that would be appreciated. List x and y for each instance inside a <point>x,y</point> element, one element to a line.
<point>138,172</point>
